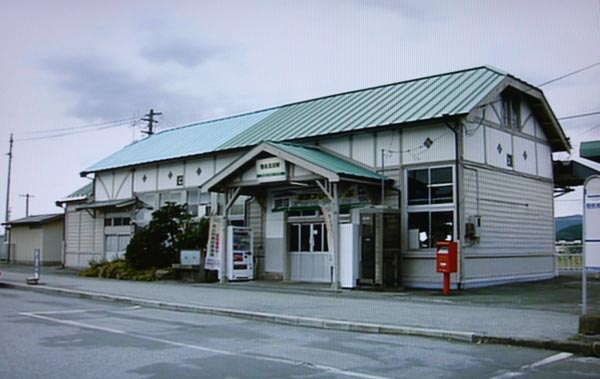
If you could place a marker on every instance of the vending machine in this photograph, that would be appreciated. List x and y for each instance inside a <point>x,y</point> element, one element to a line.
<point>240,242</point>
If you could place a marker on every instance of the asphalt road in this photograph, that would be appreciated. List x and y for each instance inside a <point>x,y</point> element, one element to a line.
<point>45,336</point>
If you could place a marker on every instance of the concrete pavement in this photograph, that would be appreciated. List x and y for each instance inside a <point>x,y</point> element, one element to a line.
<point>543,314</point>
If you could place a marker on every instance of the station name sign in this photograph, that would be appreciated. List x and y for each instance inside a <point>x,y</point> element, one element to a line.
<point>270,170</point>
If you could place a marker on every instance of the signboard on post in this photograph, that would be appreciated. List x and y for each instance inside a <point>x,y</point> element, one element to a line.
<point>591,223</point>
<point>591,233</point>
<point>214,248</point>
<point>36,263</point>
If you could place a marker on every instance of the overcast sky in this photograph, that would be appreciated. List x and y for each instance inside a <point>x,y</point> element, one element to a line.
<point>72,64</point>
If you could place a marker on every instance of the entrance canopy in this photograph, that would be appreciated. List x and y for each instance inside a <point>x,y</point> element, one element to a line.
<point>280,165</point>
<point>284,163</point>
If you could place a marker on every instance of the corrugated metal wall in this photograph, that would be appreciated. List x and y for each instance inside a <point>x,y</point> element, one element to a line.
<point>84,238</point>
<point>517,225</point>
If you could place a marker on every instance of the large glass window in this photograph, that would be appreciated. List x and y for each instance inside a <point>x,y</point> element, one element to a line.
<point>433,227</point>
<point>430,206</point>
<point>430,186</point>
<point>176,197</point>
<point>308,238</point>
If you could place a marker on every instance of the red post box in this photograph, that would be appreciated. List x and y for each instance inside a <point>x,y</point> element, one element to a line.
<point>447,261</point>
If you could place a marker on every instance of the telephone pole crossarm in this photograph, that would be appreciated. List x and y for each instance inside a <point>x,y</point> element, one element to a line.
<point>151,121</point>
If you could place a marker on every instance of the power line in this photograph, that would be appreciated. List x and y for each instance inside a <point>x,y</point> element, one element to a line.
<point>569,74</point>
<point>590,129</point>
<point>579,115</point>
<point>122,123</point>
<point>85,126</point>
<point>547,82</point>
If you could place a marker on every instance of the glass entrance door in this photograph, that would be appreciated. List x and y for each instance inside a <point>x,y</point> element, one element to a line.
<point>309,252</point>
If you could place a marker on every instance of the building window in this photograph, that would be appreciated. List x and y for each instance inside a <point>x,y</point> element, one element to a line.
<point>115,246</point>
<point>176,197</point>
<point>150,204</point>
<point>432,227</point>
<point>430,186</point>
<point>117,221</point>
<point>430,206</point>
<point>511,115</point>
<point>198,203</point>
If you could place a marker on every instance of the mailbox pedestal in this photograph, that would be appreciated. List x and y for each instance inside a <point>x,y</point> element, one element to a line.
<point>447,261</point>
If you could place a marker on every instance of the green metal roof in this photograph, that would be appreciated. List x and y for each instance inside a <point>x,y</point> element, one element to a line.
<point>84,191</point>
<point>590,150</point>
<point>327,161</point>
<point>415,100</point>
<point>189,140</point>
<point>455,93</point>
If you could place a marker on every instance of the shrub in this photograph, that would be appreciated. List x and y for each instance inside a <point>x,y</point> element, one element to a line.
<point>119,269</point>
<point>170,230</point>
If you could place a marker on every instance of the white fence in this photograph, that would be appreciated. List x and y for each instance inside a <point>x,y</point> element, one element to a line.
<point>569,256</point>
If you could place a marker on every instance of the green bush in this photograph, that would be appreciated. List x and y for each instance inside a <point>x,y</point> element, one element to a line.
<point>119,269</point>
<point>170,230</point>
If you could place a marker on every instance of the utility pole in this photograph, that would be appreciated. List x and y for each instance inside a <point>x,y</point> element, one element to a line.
<point>151,121</point>
<point>7,214</point>
<point>26,196</point>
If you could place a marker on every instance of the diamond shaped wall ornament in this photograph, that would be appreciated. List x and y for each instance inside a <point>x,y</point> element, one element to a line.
<point>525,155</point>
<point>499,148</point>
<point>198,171</point>
<point>144,178</point>
<point>428,142</point>
<point>170,175</point>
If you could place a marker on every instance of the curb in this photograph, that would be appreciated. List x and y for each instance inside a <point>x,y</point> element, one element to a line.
<point>576,347</point>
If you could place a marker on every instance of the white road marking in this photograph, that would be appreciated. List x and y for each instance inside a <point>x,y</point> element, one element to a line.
<point>329,369</point>
<point>70,311</point>
<point>551,359</point>
<point>542,362</point>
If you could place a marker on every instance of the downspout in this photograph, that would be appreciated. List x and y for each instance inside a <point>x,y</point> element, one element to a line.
<point>455,130</point>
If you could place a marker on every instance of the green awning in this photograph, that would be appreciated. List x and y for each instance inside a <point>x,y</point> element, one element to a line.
<point>590,150</point>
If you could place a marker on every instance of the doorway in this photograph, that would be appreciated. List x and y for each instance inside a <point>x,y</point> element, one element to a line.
<point>310,259</point>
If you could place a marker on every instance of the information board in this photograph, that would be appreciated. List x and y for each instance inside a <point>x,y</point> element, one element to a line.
<point>214,246</point>
<point>591,223</point>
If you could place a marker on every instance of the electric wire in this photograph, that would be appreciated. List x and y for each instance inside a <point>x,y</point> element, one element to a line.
<point>590,129</point>
<point>547,82</point>
<point>579,115</point>
<point>74,132</point>
<point>80,127</point>
<point>569,74</point>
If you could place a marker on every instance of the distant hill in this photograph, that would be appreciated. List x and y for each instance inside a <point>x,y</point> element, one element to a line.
<point>569,228</point>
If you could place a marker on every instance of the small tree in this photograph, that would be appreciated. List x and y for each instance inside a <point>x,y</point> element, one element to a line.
<point>158,244</point>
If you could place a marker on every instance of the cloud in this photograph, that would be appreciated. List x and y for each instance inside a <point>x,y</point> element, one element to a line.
<point>185,54</point>
<point>102,91</point>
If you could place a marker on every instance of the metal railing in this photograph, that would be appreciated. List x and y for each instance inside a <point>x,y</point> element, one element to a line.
<point>568,256</point>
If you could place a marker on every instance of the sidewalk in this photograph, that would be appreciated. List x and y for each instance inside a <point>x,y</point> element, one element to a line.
<point>542,314</point>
